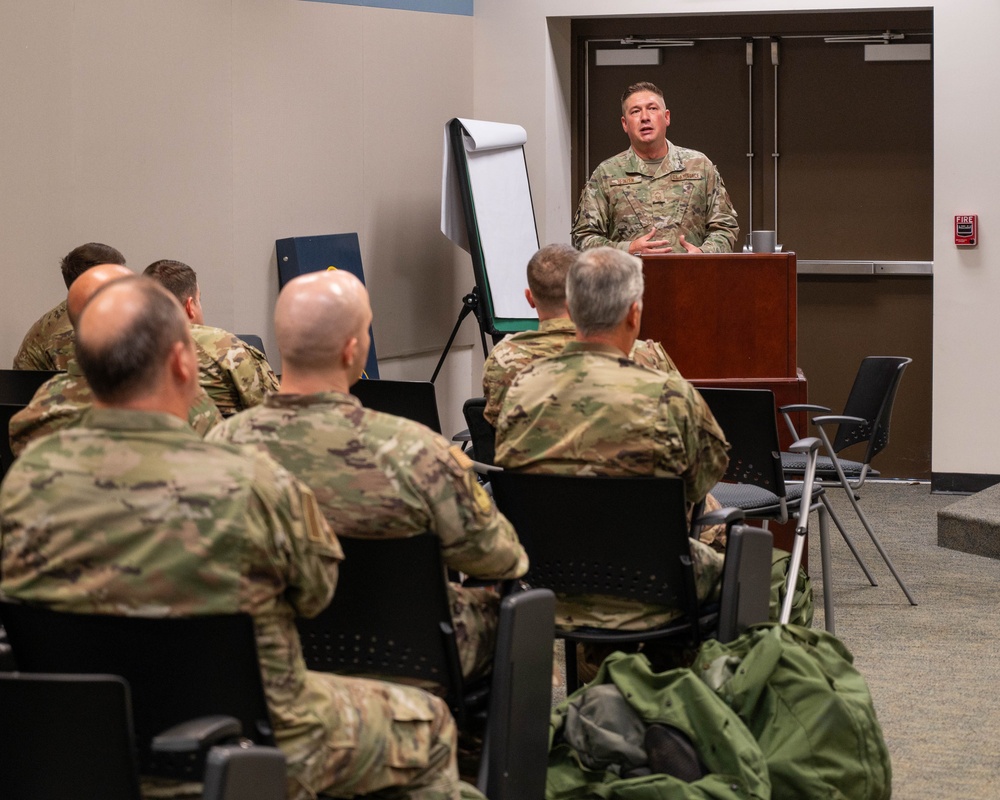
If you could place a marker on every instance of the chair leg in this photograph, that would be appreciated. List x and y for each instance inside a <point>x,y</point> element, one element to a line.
<point>861,516</point>
<point>850,543</point>
<point>824,558</point>
<point>793,573</point>
<point>569,659</point>
<point>878,545</point>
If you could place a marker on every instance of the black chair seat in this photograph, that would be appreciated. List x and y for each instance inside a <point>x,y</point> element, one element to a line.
<point>795,464</point>
<point>746,496</point>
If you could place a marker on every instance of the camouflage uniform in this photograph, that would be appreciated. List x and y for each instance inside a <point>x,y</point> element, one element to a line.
<point>625,198</point>
<point>376,475</point>
<point>63,399</point>
<point>48,344</point>
<point>515,352</point>
<point>235,374</point>
<point>132,513</point>
<point>590,411</point>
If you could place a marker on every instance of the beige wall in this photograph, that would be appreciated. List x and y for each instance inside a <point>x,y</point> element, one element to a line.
<point>522,66</point>
<point>203,130</point>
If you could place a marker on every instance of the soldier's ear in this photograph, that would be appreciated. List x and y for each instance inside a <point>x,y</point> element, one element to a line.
<point>528,296</point>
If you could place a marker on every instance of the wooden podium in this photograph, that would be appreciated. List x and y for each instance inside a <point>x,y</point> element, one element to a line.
<point>727,320</point>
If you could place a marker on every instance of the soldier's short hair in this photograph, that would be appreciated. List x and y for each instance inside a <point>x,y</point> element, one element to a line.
<point>601,286</point>
<point>547,271</point>
<point>177,278</point>
<point>121,367</point>
<point>80,259</point>
<point>642,86</point>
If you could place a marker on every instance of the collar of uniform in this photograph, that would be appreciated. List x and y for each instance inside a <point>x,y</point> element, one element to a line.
<point>671,163</point>
<point>592,347</point>
<point>557,324</point>
<point>122,419</point>
<point>279,400</point>
<point>73,367</point>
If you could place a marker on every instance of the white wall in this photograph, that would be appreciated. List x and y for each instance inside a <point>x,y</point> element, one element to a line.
<point>203,130</point>
<point>522,75</point>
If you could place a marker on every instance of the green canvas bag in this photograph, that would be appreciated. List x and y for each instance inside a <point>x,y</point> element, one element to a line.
<point>733,760</point>
<point>797,691</point>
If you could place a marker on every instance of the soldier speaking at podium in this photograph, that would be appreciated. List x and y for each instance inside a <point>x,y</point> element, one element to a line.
<point>655,197</point>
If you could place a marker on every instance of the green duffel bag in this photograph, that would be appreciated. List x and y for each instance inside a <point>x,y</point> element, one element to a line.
<point>615,710</point>
<point>797,691</point>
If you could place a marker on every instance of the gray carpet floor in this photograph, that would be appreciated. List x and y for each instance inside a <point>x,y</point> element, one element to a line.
<point>933,669</point>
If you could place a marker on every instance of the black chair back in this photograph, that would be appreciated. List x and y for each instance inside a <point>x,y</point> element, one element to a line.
<point>748,418</point>
<point>414,400</point>
<point>871,398</point>
<point>178,668</point>
<point>18,386</point>
<point>390,616</point>
<point>66,736</point>
<point>516,743</point>
<point>626,537</point>
<point>253,340</point>
<point>482,434</point>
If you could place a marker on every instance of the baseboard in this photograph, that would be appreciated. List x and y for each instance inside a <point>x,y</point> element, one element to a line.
<point>961,482</point>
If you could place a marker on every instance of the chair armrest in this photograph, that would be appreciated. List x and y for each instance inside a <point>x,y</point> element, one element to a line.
<point>196,735</point>
<point>791,409</point>
<point>809,445</point>
<point>833,419</point>
<point>786,411</point>
<point>247,773</point>
<point>721,516</point>
<point>462,436</point>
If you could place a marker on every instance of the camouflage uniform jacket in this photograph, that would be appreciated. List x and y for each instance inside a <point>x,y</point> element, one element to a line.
<point>48,344</point>
<point>63,399</point>
<point>235,374</point>
<point>625,198</point>
<point>381,476</point>
<point>132,513</point>
<point>516,351</point>
<point>590,411</point>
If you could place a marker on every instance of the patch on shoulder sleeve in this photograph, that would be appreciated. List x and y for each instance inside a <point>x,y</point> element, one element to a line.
<point>460,457</point>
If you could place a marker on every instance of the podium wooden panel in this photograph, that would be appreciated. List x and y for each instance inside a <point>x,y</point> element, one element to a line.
<point>729,320</point>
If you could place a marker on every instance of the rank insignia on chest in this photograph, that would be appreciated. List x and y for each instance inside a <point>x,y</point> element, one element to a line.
<point>625,181</point>
<point>686,176</point>
<point>657,197</point>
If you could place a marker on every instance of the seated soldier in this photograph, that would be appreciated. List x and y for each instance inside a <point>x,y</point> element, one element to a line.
<point>63,399</point>
<point>591,411</point>
<point>48,344</point>
<point>132,513</point>
<point>235,374</point>
<point>546,293</point>
<point>376,475</point>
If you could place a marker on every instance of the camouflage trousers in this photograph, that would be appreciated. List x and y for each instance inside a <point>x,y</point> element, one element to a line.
<point>474,613</point>
<point>714,535</point>
<point>405,747</point>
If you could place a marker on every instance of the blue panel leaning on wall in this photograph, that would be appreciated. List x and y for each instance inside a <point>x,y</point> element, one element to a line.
<point>463,7</point>
<point>301,254</point>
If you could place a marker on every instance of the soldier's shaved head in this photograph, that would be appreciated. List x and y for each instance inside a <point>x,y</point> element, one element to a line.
<point>317,316</point>
<point>125,336</point>
<point>86,285</point>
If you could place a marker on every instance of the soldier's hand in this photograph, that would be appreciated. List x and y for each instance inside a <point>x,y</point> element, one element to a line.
<point>645,246</point>
<point>691,248</point>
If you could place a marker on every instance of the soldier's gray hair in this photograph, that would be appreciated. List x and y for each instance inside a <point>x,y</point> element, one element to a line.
<point>125,364</point>
<point>601,287</point>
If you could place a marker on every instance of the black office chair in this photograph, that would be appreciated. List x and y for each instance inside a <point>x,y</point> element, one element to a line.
<point>178,668</point>
<point>754,480</point>
<point>865,421</point>
<point>621,537</point>
<point>71,736</point>
<point>254,341</point>
<point>391,618</point>
<point>18,386</point>
<point>516,740</point>
<point>414,400</point>
<point>481,433</point>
